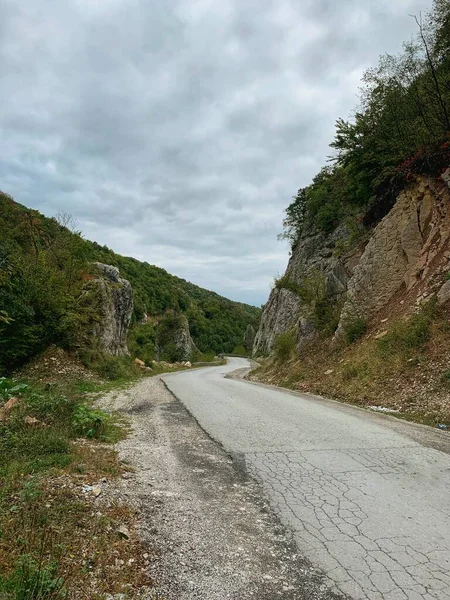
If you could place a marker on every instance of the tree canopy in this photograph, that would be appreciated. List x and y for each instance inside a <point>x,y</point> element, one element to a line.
<point>44,264</point>
<point>401,128</point>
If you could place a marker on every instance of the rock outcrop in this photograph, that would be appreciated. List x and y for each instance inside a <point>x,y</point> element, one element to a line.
<point>249,338</point>
<point>406,256</point>
<point>315,256</point>
<point>409,249</point>
<point>111,299</point>
<point>173,339</point>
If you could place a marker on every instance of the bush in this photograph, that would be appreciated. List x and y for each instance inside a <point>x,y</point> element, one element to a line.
<point>240,351</point>
<point>10,388</point>
<point>445,378</point>
<point>89,422</point>
<point>355,330</point>
<point>352,371</point>
<point>142,342</point>
<point>285,346</point>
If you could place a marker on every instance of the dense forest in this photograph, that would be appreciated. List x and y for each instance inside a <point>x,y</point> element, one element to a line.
<point>44,264</point>
<point>401,129</point>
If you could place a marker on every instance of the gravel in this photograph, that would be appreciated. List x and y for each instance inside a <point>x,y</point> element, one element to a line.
<point>208,530</point>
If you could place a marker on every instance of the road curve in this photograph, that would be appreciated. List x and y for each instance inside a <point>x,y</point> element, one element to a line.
<point>367,497</point>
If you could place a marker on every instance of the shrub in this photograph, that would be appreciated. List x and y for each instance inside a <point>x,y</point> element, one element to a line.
<point>285,346</point>
<point>110,367</point>
<point>355,330</point>
<point>240,350</point>
<point>9,388</point>
<point>141,342</point>
<point>89,422</point>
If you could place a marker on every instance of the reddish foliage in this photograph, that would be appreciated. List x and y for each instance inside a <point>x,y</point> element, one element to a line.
<point>432,161</point>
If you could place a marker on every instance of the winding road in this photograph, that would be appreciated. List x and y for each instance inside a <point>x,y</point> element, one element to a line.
<point>366,496</point>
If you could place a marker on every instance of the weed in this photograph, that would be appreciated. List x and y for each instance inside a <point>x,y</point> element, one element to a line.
<point>355,329</point>
<point>351,371</point>
<point>9,388</point>
<point>89,422</point>
<point>32,580</point>
<point>410,335</point>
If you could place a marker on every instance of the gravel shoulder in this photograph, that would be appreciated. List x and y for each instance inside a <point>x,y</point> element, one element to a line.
<point>208,530</point>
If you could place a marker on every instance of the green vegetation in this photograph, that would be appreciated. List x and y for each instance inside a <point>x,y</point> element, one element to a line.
<point>355,329</point>
<point>324,308</point>
<point>46,263</point>
<point>406,369</point>
<point>401,129</point>
<point>285,346</point>
<point>52,542</point>
<point>410,335</point>
<point>240,351</point>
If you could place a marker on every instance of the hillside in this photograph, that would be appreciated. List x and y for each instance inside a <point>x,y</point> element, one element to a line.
<point>362,311</point>
<point>44,268</point>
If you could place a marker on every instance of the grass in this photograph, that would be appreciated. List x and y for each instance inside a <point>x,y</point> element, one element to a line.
<point>52,543</point>
<point>406,369</point>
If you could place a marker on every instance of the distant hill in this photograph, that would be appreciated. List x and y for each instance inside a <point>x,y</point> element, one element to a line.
<point>43,267</point>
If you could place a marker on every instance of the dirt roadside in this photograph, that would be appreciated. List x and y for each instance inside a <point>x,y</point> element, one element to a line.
<point>207,529</point>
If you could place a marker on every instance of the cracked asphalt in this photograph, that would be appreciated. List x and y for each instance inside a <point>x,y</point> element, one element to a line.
<point>366,496</point>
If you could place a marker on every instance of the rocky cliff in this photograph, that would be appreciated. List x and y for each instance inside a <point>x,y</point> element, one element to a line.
<point>111,298</point>
<point>404,261</point>
<point>316,262</point>
<point>173,339</point>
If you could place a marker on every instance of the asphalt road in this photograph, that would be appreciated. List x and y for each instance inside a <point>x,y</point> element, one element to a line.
<point>366,496</point>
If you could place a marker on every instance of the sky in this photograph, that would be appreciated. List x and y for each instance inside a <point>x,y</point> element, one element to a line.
<point>177,131</point>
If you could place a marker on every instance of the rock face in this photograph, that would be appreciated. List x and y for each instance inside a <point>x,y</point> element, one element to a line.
<point>316,256</point>
<point>407,255</point>
<point>409,247</point>
<point>249,338</point>
<point>174,342</point>
<point>113,300</point>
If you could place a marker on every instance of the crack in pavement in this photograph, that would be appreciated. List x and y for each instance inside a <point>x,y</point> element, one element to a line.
<point>367,501</point>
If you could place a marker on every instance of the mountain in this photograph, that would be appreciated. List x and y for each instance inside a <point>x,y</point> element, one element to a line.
<point>45,267</point>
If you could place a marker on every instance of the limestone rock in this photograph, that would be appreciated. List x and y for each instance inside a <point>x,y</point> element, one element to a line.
<point>249,338</point>
<point>406,248</point>
<point>173,339</point>
<point>123,532</point>
<point>443,295</point>
<point>315,253</point>
<point>112,298</point>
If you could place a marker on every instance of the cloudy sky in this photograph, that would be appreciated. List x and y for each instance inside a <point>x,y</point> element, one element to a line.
<point>176,131</point>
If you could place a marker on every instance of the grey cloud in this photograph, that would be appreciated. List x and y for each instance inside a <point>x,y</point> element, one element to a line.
<point>177,131</point>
